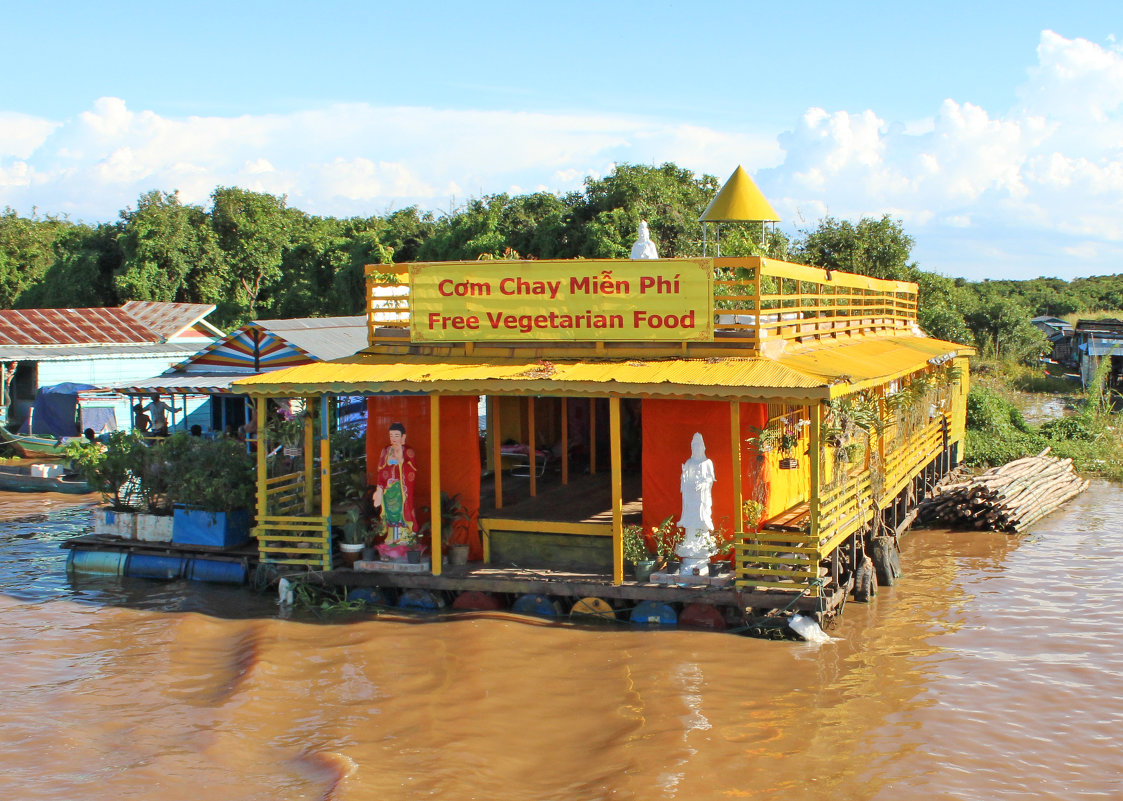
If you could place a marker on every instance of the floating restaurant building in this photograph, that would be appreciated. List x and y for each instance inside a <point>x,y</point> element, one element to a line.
<point>826,412</point>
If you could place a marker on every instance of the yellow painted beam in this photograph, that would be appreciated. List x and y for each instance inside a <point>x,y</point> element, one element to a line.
<point>435,481</point>
<point>617,490</point>
<point>816,466</point>
<point>546,526</point>
<point>262,498</point>
<point>309,458</point>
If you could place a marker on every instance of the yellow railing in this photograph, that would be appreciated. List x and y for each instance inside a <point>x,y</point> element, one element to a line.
<point>755,300</point>
<point>284,495</point>
<point>771,559</point>
<point>292,540</point>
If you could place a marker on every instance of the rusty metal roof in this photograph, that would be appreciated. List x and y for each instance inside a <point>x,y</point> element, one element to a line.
<point>135,323</point>
<point>73,327</point>
<point>167,319</point>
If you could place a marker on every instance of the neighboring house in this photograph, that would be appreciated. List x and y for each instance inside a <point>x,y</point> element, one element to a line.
<point>1094,340</point>
<point>1059,333</point>
<point>202,382</point>
<point>98,346</point>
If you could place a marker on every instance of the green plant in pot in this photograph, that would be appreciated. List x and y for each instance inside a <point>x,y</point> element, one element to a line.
<point>668,535</point>
<point>114,469</point>
<point>455,519</point>
<point>637,551</point>
<point>212,486</point>
<point>356,535</point>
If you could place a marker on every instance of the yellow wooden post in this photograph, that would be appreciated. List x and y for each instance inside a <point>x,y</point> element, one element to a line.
<point>816,425</point>
<point>309,455</point>
<point>592,436</point>
<point>496,458</point>
<point>262,503</point>
<point>532,440</point>
<point>564,442</point>
<point>617,491</point>
<point>325,474</point>
<point>738,497</point>
<point>435,481</point>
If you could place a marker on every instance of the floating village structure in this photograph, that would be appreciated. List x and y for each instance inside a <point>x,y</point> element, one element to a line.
<point>826,411</point>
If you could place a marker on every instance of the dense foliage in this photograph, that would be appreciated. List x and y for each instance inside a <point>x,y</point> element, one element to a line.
<point>253,256</point>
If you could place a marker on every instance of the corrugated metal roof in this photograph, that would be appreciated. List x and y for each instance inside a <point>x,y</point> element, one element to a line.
<point>181,383</point>
<point>112,326</point>
<point>849,366</point>
<point>269,344</point>
<point>168,319</point>
<point>815,373</point>
<point>54,353</point>
<point>371,374</point>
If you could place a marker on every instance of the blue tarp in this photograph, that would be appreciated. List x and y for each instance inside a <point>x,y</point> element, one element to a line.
<point>56,410</point>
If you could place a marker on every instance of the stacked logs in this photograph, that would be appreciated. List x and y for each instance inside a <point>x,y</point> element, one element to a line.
<point>1007,498</point>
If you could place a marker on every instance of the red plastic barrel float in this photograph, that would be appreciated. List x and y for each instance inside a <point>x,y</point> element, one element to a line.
<point>474,599</point>
<point>701,616</point>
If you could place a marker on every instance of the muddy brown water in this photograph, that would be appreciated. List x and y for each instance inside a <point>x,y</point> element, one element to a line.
<point>993,670</point>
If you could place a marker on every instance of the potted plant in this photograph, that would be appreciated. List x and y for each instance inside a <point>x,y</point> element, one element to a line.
<point>455,518</point>
<point>211,485</point>
<point>667,536</point>
<point>638,552</point>
<point>356,532</point>
<point>114,470</point>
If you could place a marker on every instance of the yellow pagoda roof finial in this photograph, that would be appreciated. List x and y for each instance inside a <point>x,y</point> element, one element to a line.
<point>739,200</point>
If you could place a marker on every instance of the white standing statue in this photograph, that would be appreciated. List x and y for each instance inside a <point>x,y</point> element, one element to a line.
<point>696,485</point>
<point>644,248</point>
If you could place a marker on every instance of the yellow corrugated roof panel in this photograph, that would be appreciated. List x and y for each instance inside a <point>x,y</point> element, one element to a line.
<point>850,366</point>
<point>739,200</point>
<point>818,372</point>
<point>364,373</point>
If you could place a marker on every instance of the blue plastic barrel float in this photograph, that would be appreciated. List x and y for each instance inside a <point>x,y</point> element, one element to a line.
<point>102,563</point>
<point>372,596</point>
<point>534,604</point>
<point>654,613</point>
<point>421,599</point>
<point>143,565</point>
<point>222,571</point>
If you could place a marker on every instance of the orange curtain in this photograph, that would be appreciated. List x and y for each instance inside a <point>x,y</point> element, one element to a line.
<point>668,427</point>
<point>460,449</point>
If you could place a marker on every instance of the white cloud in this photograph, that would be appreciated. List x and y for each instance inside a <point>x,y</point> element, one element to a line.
<point>972,185</point>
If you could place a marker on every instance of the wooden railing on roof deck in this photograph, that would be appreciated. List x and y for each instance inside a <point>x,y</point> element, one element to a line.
<point>755,299</point>
<point>771,559</point>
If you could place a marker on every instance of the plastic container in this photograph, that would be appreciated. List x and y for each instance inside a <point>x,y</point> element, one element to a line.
<point>213,529</point>
<point>217,570</point>
<point>421,599</point>
<point>474,599</point>
<point>101,563</point>
<point>654,613</point>
<point>142,565</point>
<point>539,605</point>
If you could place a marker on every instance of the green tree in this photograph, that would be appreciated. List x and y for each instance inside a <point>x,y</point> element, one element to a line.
<point>253,232</point>
<point>159,244</point>
<point>877,248</point>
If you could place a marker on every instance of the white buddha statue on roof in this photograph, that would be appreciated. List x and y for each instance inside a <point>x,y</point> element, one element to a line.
<point>644,248</point>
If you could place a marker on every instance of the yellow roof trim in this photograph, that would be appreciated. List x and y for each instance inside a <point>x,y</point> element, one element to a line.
<point>739,200</point>
<point>809,374</point>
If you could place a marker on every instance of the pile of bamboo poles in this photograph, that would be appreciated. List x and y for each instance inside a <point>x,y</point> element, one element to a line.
<point>1007,498</point>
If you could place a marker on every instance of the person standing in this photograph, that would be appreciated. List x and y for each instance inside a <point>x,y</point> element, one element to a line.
<point>157,412</point>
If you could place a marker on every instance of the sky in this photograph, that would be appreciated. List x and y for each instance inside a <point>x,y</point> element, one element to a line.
<point>993,131</point>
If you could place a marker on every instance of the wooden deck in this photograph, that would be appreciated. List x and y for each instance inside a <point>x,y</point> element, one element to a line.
<point>513,580</point>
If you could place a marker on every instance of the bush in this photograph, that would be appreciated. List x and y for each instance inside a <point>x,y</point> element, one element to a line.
<point>216,475</point>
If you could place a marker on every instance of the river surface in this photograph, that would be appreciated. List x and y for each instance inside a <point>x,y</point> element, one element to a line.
<point>993,670</point>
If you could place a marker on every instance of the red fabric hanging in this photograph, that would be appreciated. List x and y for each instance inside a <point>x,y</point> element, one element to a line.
<point>460,449</point>
<point>668,427</point>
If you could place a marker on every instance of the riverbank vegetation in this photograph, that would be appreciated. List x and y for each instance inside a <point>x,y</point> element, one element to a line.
<point>1076,424</point>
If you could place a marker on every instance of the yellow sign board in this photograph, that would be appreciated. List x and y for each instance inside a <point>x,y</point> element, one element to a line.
<point>573,300</point>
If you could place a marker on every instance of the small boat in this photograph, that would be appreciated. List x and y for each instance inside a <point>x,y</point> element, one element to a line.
<point>32,446</point>
<point>40,478</point>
